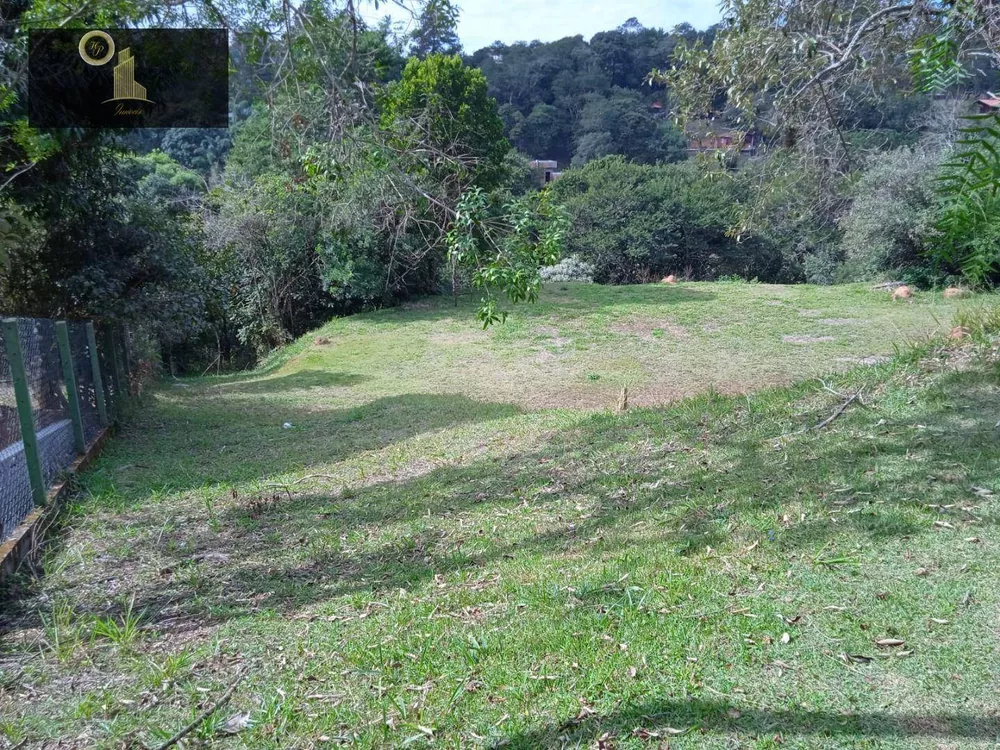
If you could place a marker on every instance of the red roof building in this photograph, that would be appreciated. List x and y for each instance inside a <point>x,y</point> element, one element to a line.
<point>987,104</point>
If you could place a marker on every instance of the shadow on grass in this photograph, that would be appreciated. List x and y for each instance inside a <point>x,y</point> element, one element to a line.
<point>694,468</point>
<point>302,380</point>
<point>204,441</point>
<point>696,714</point>
<point>567,299</point>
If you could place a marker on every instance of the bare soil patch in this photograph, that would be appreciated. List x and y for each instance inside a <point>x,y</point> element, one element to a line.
<point>553,334</point>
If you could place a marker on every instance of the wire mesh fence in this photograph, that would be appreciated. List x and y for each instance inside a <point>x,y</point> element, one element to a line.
<point>15,498</point>
<point>83,368</point>
<point>49,398</point>
<point>61,384</point>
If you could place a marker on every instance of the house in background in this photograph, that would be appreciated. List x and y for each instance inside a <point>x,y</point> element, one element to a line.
<point>546,170</point>
<point>711,136</point>
<point>989,103</point>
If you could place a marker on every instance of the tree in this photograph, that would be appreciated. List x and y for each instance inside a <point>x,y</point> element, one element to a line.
<point>889,226</point>
<point>202,149</point>
<point>635,223</point>
<point>621,123</point>
<point>442,121</point>
<point>542,130</point>
<point>436,31</point>
<point>107,247</point>
<point>807,67</point>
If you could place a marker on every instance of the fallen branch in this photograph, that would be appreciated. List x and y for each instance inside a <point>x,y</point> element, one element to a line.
<point>205,714</point>
<point>840,410</point>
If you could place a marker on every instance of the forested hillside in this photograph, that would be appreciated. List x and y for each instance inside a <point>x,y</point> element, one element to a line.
<point>575,100</point>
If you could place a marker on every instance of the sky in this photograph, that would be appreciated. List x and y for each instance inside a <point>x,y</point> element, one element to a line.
<point>483,22</point>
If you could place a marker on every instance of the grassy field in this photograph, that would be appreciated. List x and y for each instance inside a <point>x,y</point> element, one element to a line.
<point>581,343</point>
<point>456,544</point>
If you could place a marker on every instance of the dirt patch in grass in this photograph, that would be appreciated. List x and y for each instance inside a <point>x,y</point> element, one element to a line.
<point>546,356</point>
<point>457,337</point>
<point>806,340</point>
<point>810,313</point>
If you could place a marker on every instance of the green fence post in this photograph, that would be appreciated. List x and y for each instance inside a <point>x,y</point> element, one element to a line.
<point>95,371</point>
<point>123,333</point>
<point>111,362</point>
<point>12,342</point>
<point>72,392</point>
<point>121,385</point>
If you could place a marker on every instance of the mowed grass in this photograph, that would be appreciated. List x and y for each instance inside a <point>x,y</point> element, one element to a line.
<point>429,557</point>
<point>581,343</point>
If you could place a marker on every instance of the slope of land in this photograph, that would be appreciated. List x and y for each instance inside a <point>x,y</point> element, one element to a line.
<point>582,342</point>
<point>428,557</point>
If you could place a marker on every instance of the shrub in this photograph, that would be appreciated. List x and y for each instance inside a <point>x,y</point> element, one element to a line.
<point>634,223</point>
<point>888,228</point>
<point>569,269</point>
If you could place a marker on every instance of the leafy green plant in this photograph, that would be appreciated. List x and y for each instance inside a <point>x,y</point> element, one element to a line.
<point>63,631</point>
<point>970,191</point>
<point>122,631</point>
<point>505,244</point>
<point>970,180</point>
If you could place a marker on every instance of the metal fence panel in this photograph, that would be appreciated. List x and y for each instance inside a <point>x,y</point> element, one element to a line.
<point>49,402</point>
<point>84,380</point>
<point>121,353</point>
<point>104,355</point>
<point>15,489</point>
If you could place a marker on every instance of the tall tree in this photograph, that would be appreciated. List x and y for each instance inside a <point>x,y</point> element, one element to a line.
<point>436,32</point>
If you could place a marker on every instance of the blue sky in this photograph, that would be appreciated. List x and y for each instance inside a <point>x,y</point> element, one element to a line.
<point>484,21</point>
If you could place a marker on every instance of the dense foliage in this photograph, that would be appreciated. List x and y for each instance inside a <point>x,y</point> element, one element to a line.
<point>573,100</point>
<point>637,223</point>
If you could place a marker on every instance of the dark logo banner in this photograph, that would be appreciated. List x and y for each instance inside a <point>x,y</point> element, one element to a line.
<point>128,78</point>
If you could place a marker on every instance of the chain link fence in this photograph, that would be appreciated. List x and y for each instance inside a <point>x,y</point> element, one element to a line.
<point>61,385</point>
<point>15,500</point>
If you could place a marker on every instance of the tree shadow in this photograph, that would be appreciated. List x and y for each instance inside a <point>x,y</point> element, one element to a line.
<point>280,550</point>
<point>698,715</point>
<point>205,442</point>
<point>296,381</point>
<point>691,465</point>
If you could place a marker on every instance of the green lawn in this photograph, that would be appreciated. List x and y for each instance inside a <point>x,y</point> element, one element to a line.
<point>434,556</point>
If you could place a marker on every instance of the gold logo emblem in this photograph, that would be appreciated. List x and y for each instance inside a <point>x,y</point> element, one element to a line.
<point>126,87</point>
<point>97,47</point>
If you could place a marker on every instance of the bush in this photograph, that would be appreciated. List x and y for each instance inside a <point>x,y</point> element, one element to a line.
<point>982,321</point>
<point>888,228</point>
<point>823,266</point>
<point>635,223</point>
<point>569,269</point>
